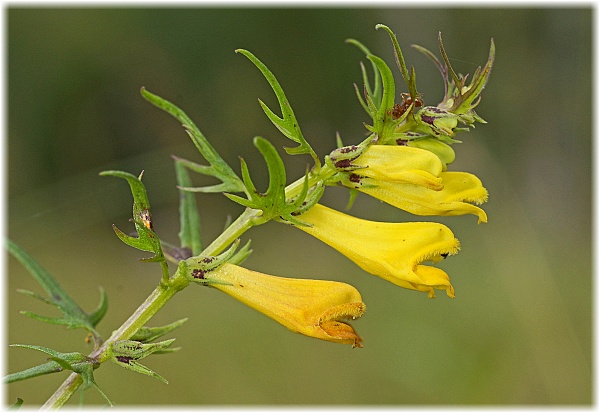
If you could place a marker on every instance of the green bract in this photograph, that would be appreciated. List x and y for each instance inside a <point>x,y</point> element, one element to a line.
<point>126,353</point>
<point>273,203</point>
<point>287,124</point>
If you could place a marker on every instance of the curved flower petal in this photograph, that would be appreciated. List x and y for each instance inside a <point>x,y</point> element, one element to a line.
<point>460,190</point>
<point>393,251</point>
<point>310,307</point>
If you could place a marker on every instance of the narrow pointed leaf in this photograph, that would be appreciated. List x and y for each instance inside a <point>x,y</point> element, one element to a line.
<point>447,61</point>
<point>138,243</point>
<point>248,203</point>
<point>63,321</point>
<point>148,334</point>
<point>147,239</point>
<point>276,169</point>
<point>287,123</point>
<point>361,100</point>
<point>17,405</point>
<point>221,169</point>
<point>376,91</point>
<point>389,87</point>
<point>73,315</point>
<point>240,256</point>
<point>189,218</point>
<point>42,369</point>
<point>140,368</point>
<point>37,296</point>
<point>247,179</point>
<point>100,312</point>
<point>408,78</point>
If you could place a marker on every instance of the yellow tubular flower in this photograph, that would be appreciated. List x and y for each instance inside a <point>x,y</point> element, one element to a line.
<point>309,307</point>
<point>401,164</point>
<point>459,190</point>
<point>393,251</point>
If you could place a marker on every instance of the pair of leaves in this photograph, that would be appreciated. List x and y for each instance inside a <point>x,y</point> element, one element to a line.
<point>218,168</point>
<point>73,316</point>
<point>273,202</point>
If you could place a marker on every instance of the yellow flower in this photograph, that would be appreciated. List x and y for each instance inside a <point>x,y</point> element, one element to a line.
<point>412,179</point>
<point>393,251</point>
<point>400,164</point>
<point>310,307</point>
<point>460,190</point>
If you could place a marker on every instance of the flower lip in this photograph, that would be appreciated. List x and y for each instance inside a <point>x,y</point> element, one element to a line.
<point>461,193</point>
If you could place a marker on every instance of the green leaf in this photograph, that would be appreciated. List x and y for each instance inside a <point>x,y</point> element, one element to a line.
<point>218,167</point>
<point>17,405</point>
<point>287,124</point>
<point>449,68</point>
<point>272,202</point>
<point>100,312</point>
<point>76,362</point>
<point>42,369</point>
<point>147,239</point>
<point>466,101</point>
<point>409,79</point>
<point>148,334</point>
<point>195,268</point>
<point>189,218</point>
<point>125,353</point>
<point>73,316</point>
<point>383,117</point>
<point>240,256</point>
<point>376,92</point>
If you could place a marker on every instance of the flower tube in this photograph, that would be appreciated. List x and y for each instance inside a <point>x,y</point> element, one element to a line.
<point>393,251</point>
<point>310,307</point>
<point>401,164</point>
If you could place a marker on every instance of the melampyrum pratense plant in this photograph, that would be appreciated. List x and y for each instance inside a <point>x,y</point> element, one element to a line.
<point>404,161</point>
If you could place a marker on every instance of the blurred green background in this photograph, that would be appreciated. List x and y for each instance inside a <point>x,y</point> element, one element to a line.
<point>519,331</point>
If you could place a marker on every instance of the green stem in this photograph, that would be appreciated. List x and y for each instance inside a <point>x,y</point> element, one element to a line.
<point>295,187</point>
<point>164,292</point>
<point>242,224</point>
<point>157,299</point>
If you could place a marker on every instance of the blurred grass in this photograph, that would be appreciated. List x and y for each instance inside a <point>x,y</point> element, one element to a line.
<point>519,331</point>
